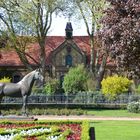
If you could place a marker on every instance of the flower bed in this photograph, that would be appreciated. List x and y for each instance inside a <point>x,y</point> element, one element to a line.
<point>44,130</point>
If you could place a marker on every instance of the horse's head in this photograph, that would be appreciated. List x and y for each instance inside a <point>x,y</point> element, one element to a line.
<point>38,75</point>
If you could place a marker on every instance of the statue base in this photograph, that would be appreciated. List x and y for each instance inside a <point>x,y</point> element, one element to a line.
<point>18,118</point>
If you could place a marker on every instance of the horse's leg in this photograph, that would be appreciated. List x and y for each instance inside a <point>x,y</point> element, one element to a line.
<point>24,105</point>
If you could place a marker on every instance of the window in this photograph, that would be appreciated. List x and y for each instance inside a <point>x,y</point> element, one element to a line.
<point>68,60</point>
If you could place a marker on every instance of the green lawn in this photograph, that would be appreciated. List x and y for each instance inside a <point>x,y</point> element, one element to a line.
<point>111,113</point>
<point>116,130</point>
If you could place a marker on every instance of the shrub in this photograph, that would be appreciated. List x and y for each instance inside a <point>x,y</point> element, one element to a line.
<point>5,80</point>
<point>75,80</point>
<point>51,86</point>
<point>114,85</point>
<point>134,107</point>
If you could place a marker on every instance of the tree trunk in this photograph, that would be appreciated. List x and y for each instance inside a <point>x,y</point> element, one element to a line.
<point>101,72</point>
<point>92,55</point>
<point>43,59</point>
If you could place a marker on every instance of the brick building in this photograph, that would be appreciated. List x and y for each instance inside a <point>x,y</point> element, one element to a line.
<point>62,52</point>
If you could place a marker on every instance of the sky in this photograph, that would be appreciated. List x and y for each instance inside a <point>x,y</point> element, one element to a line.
<point>59,24</point>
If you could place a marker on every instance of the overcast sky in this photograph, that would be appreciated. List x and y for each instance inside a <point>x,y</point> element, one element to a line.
<point>59,24</point>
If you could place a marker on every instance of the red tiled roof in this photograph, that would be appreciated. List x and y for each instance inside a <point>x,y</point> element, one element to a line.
<point>10,57</point>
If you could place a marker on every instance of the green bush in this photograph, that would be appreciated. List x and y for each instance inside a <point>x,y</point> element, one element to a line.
<point>5,80</point>
<point>114,85</point>
<point>75,80</point>
<point>134,107</point>
<point>51,86</point>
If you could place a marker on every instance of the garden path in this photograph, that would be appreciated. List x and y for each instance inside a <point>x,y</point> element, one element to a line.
<point>83,117</point>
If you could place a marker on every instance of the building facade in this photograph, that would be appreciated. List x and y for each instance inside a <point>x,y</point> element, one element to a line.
<point>62,52</point>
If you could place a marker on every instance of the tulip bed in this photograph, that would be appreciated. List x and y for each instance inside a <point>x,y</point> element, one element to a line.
<point>44,130</point>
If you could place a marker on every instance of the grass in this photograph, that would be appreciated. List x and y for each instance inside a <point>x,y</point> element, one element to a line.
<point>111,113</point>
<point>116,130</point>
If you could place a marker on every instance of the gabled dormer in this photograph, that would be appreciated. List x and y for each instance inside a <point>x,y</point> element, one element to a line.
<point>67,54</point>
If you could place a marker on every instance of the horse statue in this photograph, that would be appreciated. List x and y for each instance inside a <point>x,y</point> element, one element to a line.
<point>22,88</point>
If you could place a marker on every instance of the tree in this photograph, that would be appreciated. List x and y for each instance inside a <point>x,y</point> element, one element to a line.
<point>91,11</point>
<point>121,34</point>
<point>9,18</point>
<point>35,15</point>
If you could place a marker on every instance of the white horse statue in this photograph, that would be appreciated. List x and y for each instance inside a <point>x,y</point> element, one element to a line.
<point>22,88</point>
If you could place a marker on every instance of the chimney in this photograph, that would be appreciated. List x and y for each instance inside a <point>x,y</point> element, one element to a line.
<point>69,30</point>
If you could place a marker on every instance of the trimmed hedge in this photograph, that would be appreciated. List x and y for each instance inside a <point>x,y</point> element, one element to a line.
<point>49,111</point>
<point>85,131</point>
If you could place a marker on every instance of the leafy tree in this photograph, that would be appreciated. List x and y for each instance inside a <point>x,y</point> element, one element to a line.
<point>10,20</point>
<point>35,15</point>
<point>75,80</point>
<point>91,11</point>
<point>121,34</point>
<point>114,85</point>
